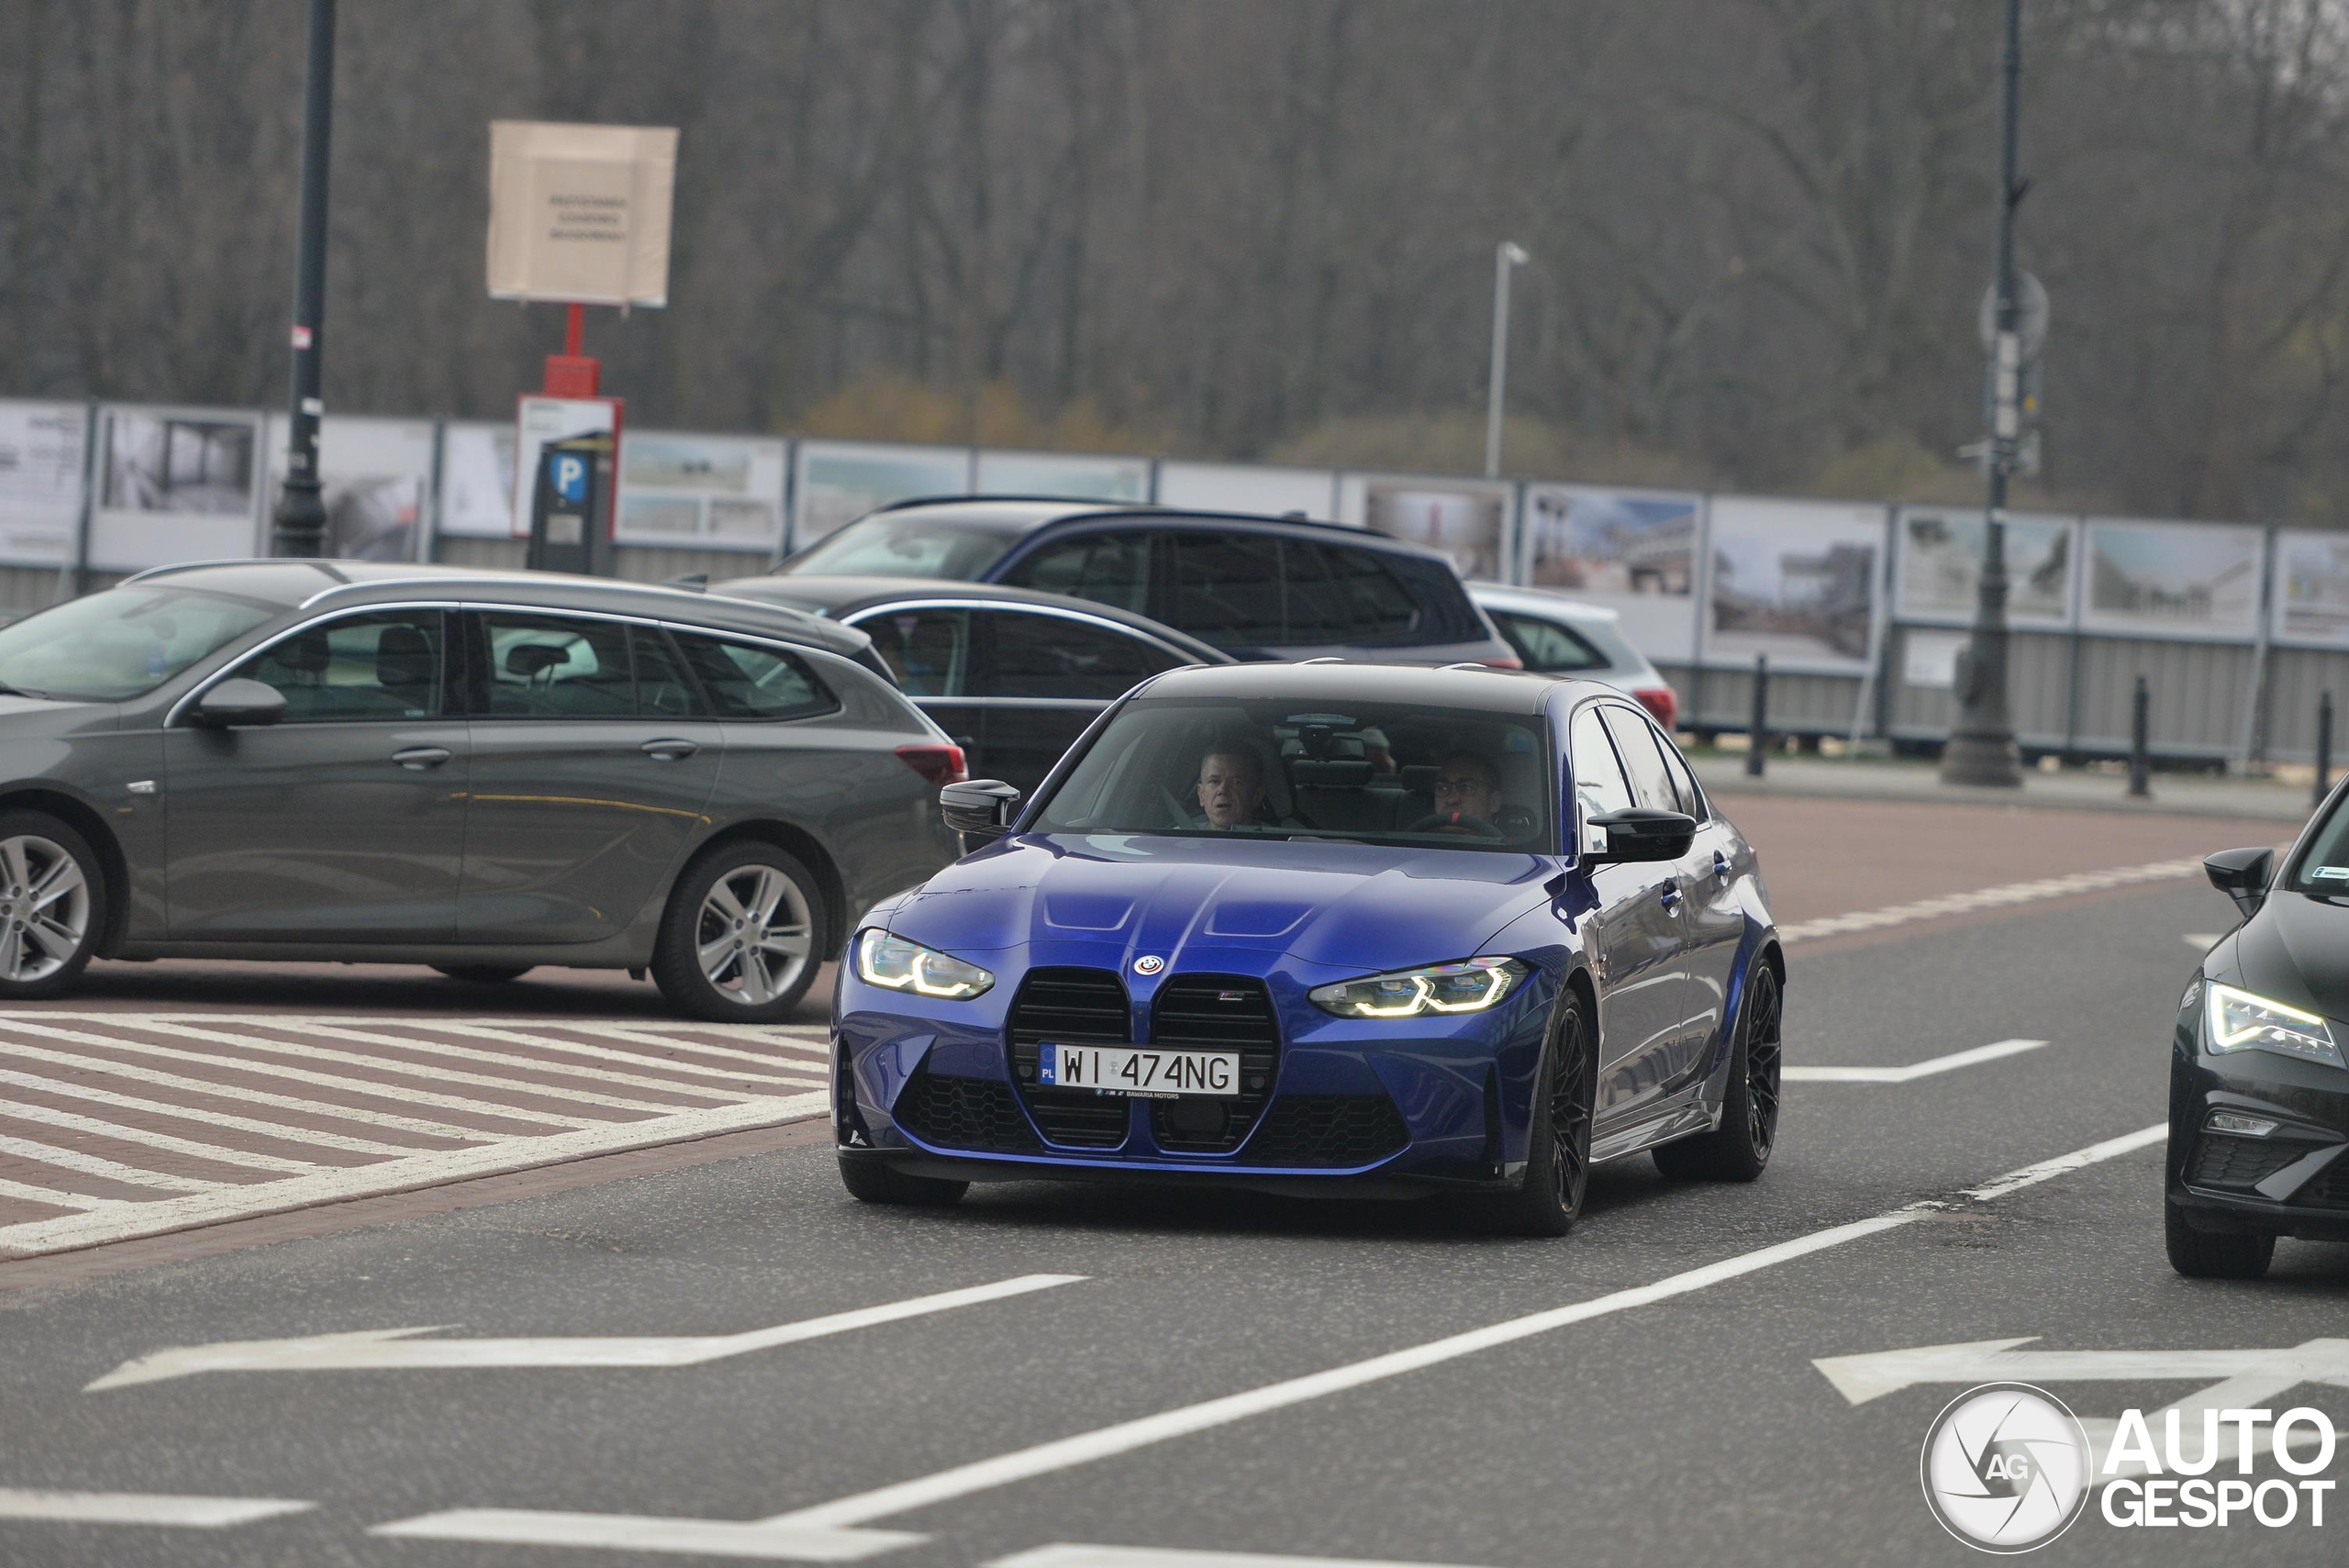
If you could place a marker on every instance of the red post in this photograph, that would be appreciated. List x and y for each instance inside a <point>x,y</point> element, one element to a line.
<point>575,331</point>
<point>571,374</point>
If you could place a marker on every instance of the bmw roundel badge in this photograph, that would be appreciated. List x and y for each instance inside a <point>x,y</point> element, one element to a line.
<point>1149,964</point>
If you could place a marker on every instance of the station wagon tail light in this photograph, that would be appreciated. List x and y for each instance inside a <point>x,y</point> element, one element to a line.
<point>1470,986</point>
<point>1506,661</point>
<point>1663,705</point>
<point>939,763</point>
<point>894,963</point>
<point>2239,1021</point>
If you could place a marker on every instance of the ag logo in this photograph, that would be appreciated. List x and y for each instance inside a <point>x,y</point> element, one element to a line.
<point>2005,1468</point>
<point>1149,964</point>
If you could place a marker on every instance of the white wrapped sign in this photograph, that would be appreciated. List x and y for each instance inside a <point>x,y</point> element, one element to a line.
<point>2172,580</point>
<point>1634,551</point>
<point>710,492</point>
<point>839,482</point>
<point>175,484</point>
<point>43,449</point>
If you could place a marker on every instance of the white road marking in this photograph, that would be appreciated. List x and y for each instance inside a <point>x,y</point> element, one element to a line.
<point>142,1509</point>
<point>816,1045</point>
<point>19,1110</point>
<point>832,1531</point>
<point>379,1349</point>
<point>31,1193</point>
<point>1915,1070</point>
<point>1989,898</point>
<point>92,1165</point>
<point>123,1222</point>
<point>72,1089</point>
<point>733,1077</point>
<point>1069,1556</point>
<point>510,1060</point>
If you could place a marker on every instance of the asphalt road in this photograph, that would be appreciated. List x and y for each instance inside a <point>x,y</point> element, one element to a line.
<point>1656,1427</point>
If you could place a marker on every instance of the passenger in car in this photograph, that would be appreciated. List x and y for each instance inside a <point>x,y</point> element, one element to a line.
<point>1231,787</point>
<point>1467,789</point>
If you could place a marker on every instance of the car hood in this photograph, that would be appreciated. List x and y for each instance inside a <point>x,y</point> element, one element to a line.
<point>2297,950</point>
<point>1360,908</point>
<point>23,719</point>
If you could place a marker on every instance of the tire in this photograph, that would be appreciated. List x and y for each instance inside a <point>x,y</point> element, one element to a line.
<point>1738,1149</point>
<point>2203,1255</point>
<point>715,960</point>
<point>53,905</point>
<point>482,974</point>
<point>869,1181</point>
<point>1557,1159</point>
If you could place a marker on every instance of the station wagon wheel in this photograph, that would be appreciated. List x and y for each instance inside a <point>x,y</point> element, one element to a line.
<point>52,903</point>
<point>744,935</point>
<point>1740,1148</point>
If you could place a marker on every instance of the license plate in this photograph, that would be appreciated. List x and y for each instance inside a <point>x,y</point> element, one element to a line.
<point>1138,1070</point>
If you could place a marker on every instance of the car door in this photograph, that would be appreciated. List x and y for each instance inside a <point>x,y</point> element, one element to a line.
<point>346,821</point>
<point>1711,916</point>
<point>1678,882</point>
<point>594,753</point>
<point>1638,942</point>
<point>1044,675</point>
<point>928,648</point>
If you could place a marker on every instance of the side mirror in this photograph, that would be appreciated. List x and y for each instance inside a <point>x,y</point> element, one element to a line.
<point>980,810</point>
<point>1642,833</point>
<point>240,704</point>
<point>2242,875</point>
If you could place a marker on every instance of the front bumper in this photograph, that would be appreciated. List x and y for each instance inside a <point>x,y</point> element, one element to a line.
<point>2292,1182</point>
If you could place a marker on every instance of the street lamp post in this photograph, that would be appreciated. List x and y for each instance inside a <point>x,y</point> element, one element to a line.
<point>1506,255</point>
<point>300,521</point>
<point>1982,745</point>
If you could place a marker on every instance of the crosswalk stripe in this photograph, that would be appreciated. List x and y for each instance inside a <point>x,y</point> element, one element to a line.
<point>734,1076</point>
<point>18,1110</point>
<point>67,1088</point>
<point>507,1059</point>
<point>31,1193</point>
<point>640,1036</point>
<point>92,1165</point>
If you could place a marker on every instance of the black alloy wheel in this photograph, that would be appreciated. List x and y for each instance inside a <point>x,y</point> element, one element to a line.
<point>1557,1165</point>
<point>1738,1149</point>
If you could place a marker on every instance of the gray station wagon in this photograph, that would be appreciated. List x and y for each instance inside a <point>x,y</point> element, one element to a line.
<point>480,770</point>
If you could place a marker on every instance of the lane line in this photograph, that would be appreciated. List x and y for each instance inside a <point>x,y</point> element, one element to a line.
<point>1915,1070</point>
<point>1067,1555</point>
<point>73,1160</point>
<point>830,1531</point>
<point>393,1350</point>
<point>1989,898</point>
<point>19,1110</point>
<point>142,1509</point>
<point>425,1169</point>
<point>73,1089</point>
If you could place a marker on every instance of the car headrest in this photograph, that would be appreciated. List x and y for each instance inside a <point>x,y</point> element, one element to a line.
<point>1328,772</point>
<point>530,660</point>
<point>404,657</point>
<point>307,654</point>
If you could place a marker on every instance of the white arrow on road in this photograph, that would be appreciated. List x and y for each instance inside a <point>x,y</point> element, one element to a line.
<point>396,1350</point>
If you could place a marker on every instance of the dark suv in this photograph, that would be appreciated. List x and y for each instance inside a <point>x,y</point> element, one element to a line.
<point>1258,588</point>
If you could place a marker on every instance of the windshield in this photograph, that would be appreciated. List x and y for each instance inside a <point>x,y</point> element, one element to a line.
<point>120,643</point>
<point>1382,772</point>
<point>2325,868</point>
<point>908,546</point>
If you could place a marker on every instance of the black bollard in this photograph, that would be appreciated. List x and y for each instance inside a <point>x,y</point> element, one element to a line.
<point>2140,719</point>
<point>1757,734</point>
<point>2323,750</point>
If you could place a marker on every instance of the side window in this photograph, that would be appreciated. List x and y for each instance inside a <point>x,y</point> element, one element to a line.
<point>1599,787</point>
<point>927,651</point>
<point>663,690</point>
<point>1377,604</point>
<point>747,680</point>
<point>382,667</point>
<point>1111,568</point>
<point>1226,588</point>
<point>1692,799</point>
<point>1546,646</point>
<point>555,667</point>
<point>1635,741</point>
<point>1050,656</point>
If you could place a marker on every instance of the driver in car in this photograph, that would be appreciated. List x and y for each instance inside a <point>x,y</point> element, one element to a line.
<point>1231,788</point>
<point>1467,794</point>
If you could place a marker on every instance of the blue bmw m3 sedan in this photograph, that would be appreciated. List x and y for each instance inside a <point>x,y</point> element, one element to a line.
<point>1324,928</point>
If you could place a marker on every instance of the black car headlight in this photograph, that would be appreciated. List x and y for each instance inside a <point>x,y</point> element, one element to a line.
<point>1469,986</point>
<point>896,964</point>
<point>2241,1020</point>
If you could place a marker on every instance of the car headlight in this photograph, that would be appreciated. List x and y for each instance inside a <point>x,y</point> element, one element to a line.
<point>2238,1020</point>
<point>1469,986</point>
<point>896,964</point>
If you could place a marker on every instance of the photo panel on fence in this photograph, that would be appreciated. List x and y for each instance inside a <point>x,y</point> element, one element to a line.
<point>1796,580</point>
<point>375,478</point>
<point>1244,487</point>
<point>476,481</point>
<point>1937,563</point>
<point>1072,476</point>
<point>1467,519</point>
<point>44,448</point>
<point>1634,551</point>
<point>2172,580</point>
<point>2311,597</point>
<point>682,490</point>
<point>839,482</point>
<point>175,484</point>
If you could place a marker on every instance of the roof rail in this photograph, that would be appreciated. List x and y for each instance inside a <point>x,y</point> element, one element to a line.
<point>1324,659</point>
<point>1080,501</point>
<point>186,566</point>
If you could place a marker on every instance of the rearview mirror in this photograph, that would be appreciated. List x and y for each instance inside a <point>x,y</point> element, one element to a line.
<point>980,810</point>
<point>2242,875</point>
<point>240,704</point>
<point>1642,833</point>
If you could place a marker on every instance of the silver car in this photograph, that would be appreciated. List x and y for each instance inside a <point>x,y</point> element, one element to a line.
<point>480,770</point>
<point>1558,636</point>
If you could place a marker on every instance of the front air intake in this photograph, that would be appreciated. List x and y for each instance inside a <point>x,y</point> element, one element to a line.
<point>1070,1006</point>
<point>1215,1012</point>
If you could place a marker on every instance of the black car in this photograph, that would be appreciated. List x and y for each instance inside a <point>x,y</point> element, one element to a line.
<point>1258,588</point>
<point>2259,1088</point>
<point>1013,676</point>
